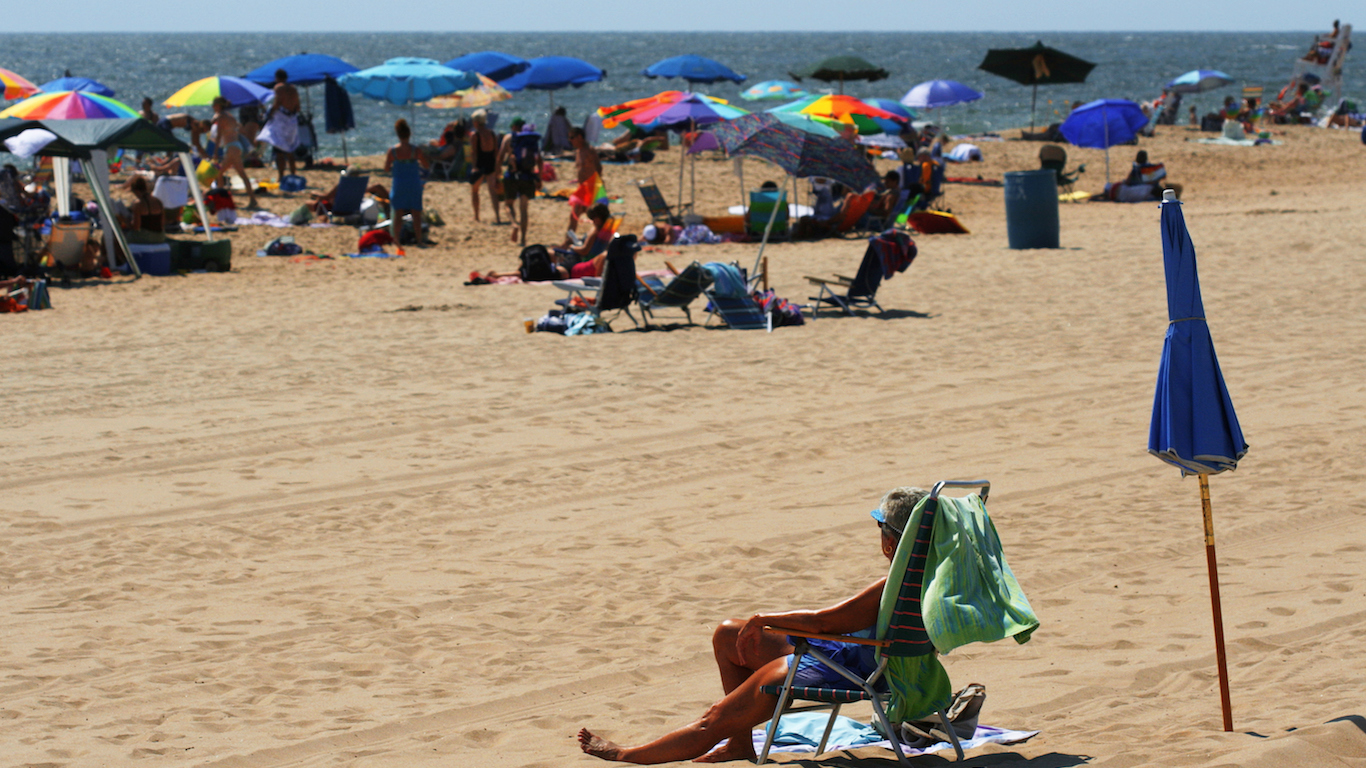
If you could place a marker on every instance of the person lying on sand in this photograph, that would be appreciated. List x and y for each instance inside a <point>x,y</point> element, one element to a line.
<point>748,657</point>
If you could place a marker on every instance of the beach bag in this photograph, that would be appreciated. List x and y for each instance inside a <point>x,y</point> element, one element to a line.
<point>536,265</point>
<point>375,238</point>
<point>526,150</point>
<point>292,183</point>
<point>283,246</point>
<point>206,172</point>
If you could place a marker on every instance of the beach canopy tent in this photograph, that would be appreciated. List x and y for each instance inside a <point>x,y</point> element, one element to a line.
<point>90,141</point>
<point>76,84</point>
<point>302,69</point>
<point>694,69</point>
<point>495,65</point>
<point>1036,65</point>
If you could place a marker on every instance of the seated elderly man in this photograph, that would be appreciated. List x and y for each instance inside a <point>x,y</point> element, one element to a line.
<point>748,658</point>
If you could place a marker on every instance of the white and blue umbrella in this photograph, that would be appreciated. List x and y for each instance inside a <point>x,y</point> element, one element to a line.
<point>403,81</point>
<point>939,93</point>
<point>1199,81</point>
<point>1193,427</point>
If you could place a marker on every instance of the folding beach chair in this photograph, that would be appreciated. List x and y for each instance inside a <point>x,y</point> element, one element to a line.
<point>615,289</point>
<point>350,193</point>
<point>954,587</point>
<point>854,213</point>
<point>1054,158</point>
<point>890,251</point>
<point>654,200</point>
<point>729,296</point>
<point>450,168</point>
<point>681,291</point>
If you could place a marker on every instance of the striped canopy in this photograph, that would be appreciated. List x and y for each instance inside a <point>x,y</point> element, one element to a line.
<point>69,105</point>
<point>15,86</point>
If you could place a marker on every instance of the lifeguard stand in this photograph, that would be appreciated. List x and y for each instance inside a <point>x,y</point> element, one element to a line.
<point>1324,63</point>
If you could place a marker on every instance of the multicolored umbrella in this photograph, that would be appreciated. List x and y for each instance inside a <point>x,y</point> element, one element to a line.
<point>800,152</point>
<point>16,87</point>
<point>69,105</point>
<point>840,110</point>
<point>905,114</point>
<point>693,108</point>
<point>77,84</point>
<point>487,92</point>
<point>663,97</point>
<point>236,90</point>
<point>774,90</point>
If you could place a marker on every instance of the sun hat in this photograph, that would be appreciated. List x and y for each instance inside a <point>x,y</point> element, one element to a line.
<point>650,233</point>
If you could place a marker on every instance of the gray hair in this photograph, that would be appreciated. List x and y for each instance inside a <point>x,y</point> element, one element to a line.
<point>897,506</point>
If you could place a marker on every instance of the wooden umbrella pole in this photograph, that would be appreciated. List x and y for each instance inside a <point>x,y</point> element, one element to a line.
<point>1217,610</point>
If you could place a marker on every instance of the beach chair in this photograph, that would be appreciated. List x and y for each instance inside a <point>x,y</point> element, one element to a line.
<point>67,242</point>
<point>854,213</point>
<point>729,297</point>
<point>346,202</point>
<point>1054,158</point>
<point>762,204</point>
<point>895,249</point>
<point>660,211</point>
<point>615,289</point>
<point>678,293</point>
<point>452,168</point>
<point>948,550</point>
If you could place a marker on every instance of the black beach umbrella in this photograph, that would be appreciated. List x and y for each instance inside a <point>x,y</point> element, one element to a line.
<point>1036,65</point>
<point>841,68</point>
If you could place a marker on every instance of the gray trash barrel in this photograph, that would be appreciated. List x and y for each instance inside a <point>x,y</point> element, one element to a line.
<point>1032,209</point>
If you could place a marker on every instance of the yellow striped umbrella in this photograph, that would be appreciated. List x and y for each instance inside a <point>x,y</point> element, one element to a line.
<point>16,87</point>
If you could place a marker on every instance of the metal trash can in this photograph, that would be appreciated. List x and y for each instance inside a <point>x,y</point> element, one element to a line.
<point>1032,209</point>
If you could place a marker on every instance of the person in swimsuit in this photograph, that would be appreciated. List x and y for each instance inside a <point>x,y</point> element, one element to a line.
<point>586,165</point>
<point>748,657</point>
<point>146,220</point>
<point>520,153</point>
<point>485,145</point>
<point>229,153</point>
<point>405,162</point>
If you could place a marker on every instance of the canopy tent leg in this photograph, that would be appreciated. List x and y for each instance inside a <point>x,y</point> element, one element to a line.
<point>187,163</point>
<point>112,231</point>
<point>61,181</point>
<point>1220,657</point>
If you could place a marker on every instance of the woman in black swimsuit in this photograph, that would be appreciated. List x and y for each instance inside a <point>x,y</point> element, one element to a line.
<point>485,144</point>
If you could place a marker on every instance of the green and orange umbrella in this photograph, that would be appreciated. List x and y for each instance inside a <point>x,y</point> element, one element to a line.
<point>69,105</point>
<point>201,93</point>
<point>15,86</point>
<point>838,111</point>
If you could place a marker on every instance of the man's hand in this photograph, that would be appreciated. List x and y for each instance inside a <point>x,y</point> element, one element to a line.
<point>748,639</point>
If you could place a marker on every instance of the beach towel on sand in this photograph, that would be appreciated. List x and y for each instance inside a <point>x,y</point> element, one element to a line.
<point>282,132</point>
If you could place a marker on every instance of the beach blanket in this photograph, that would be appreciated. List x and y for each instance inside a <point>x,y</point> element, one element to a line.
<point>801,732</point>
<point>1227,142</point>
<point>282,132</point>
<point>264,219</point>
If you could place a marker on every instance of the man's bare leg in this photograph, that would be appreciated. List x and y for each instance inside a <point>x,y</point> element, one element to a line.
<point>493,196</point>
<point>730,718</point>
<point>733,672</point>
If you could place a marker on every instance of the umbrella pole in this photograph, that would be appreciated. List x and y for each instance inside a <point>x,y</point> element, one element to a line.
<point>1215,607</point>
<point>1032,100</point>
<point>682,161</point>
<point>346,157</point>
<point>1105,123</point>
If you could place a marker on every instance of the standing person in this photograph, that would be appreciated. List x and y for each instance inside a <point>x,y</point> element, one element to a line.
<point>147,113</point>
<point>485,145</point>
<point>405,193</point>
<point>587,165</point>
<point>282,124</point>
<point>229,149</point>
<point>520,153</point>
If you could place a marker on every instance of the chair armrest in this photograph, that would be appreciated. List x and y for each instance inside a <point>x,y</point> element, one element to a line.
<point>844,279</point>
<point>819,280</point>
<point>834,638</point>
<point>641,282</point>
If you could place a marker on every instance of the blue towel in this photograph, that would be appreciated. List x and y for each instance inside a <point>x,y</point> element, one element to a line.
<point>726,280</point>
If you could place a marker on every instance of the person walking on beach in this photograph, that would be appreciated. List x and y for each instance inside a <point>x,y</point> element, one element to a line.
<point>228,150</point>
<point>520,153</point>
<point>405,192</point>
<point>748,658</point>
<point>587,165</point>
<point>485,145</point>
<point>282,124</point>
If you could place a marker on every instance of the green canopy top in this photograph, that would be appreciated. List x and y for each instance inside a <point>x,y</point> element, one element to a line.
<point>76,138</point>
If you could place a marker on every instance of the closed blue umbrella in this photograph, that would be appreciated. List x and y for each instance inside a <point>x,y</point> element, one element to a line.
<point>494,65</point>
<point>1199,81</point>
<point>407,81</point>
<point>933,94</point>
<point>694,69</point>
<point>76,84</point>
<point>302,69</point>
<point>1194,427</point>
<point>1102,124</point>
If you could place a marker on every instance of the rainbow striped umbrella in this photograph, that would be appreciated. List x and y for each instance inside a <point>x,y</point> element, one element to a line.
<point>69,105</point>
<point>201,93</point>
<point>839,110</point>
<point>16,87</point>
<point>487,92</point>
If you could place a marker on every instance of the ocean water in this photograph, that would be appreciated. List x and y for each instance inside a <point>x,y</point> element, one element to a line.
<point>1128,65</point>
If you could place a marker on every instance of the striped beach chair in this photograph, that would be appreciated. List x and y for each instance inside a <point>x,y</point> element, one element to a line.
<point>909,682</point>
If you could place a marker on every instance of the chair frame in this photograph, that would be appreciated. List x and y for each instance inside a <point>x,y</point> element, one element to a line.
<point>866,687</point>
<point>660,210</point>
<point>646,302</point>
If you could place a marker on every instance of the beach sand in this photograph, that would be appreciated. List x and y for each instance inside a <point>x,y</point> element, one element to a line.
<point>346,512</point>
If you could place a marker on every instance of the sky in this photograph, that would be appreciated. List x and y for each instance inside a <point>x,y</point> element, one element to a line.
<point>693,15</point>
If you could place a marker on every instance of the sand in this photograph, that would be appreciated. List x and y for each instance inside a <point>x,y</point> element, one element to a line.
<point>347,513</point>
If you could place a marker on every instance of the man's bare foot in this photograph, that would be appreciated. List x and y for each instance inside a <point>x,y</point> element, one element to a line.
<point>513,234</point>
<point>598,746</point>
<point>730,751</point>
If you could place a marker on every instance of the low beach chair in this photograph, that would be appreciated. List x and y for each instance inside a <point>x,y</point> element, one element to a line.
<point>729,297</point>
<point>660,211</point>
<point>1054,158</point>
<point>860,291</point>
<point>350,193</point>
<point>952,587</point>
<point>762,206</point>
<point>681,291</point>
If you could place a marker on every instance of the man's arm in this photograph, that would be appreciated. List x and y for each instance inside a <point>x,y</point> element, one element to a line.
<point>856,613</point>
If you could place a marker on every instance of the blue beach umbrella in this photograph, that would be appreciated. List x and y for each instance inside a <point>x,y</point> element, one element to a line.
<point>694,69</point>
<point>76,84</point>
<point>407,81</point>
<point>494,65</point>
<point>1199,81</point>
<point>1102,124</point>
<point>933,94</point>
<point>302,69</point>
<point>775,90</point>
<point>892,127</point>
<point>1193,427</point>
<point>551,73</point>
